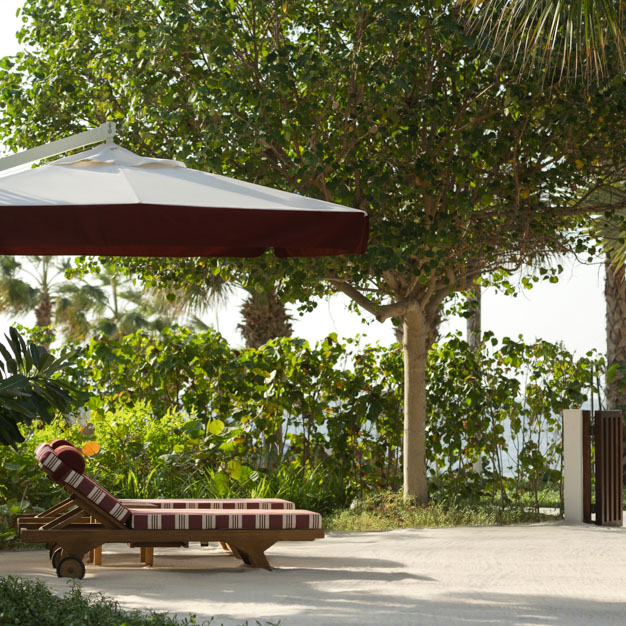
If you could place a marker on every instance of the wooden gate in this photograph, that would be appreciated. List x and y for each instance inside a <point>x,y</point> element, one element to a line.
<point>607,435</point>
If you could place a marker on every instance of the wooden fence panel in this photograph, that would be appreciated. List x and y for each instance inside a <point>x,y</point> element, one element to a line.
<point>608,432</point>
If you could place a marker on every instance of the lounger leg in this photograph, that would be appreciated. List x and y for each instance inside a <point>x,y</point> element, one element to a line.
<point>253,553</point>
<point>232,550</point>
<point>97,555</point>
<point>73,566</point>
<point>148,555</point>
<point>91,556</point>
<point>142,554</point>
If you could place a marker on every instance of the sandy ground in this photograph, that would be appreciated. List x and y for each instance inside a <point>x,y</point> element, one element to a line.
<point>549,573</point>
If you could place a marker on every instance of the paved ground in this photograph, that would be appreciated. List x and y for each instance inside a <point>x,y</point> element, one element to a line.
<point>549,573</point>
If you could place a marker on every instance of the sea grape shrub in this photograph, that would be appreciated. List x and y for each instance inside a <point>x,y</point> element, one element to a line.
<point>494,423</point>
<point>176,369</point>
<point>181,413</point>
<point>334,403</point>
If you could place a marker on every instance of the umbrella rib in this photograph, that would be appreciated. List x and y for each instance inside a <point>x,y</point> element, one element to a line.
<point>130,185</point>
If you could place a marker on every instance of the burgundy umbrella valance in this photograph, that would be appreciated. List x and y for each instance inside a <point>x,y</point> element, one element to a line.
<point>108,201</point>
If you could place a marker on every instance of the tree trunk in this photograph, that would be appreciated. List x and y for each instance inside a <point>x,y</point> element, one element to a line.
<point>615,296</point>
<point>415,331</point>
<point>474,337</point>
<point>474,321</point>
<point>432,334</point>
<point>43,311</point>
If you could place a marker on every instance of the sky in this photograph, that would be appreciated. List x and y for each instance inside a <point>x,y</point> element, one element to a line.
<point>571,311</point>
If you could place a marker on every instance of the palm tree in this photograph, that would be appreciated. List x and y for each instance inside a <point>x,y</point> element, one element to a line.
<point>610,231</point>
<point>110,306</point>
<point>78,308</point>
<point>564,39</point>
<point>19,296</point>
<point>264,317</point>
<point>263,312</point>
<point>191,301</point>
<point>615,297</point>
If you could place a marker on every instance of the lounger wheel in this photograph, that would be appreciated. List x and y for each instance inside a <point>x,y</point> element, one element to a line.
<point>57,555</point>
<point>70,567</point>
<point>52,548</point>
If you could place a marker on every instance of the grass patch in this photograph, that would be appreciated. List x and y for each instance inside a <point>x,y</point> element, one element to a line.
<point>388,511</point>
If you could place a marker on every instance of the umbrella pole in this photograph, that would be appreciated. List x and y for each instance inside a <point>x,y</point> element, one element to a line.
<point>105,131</point>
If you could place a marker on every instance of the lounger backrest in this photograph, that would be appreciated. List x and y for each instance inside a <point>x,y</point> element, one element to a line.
<point>68,472</point>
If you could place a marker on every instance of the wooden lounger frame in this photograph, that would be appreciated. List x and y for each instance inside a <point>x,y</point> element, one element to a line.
<point>79,527</point>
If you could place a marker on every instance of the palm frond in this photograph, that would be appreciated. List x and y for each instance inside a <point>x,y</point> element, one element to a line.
<point>565,39</point>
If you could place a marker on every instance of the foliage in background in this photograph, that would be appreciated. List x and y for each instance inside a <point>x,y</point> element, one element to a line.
<point>389,511</point>
<point>500,404</point>
<point>386,106</point>
<point>180,414</point>
<point>109,303</point>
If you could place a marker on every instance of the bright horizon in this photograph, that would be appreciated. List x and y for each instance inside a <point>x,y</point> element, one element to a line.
<point>571,311</point>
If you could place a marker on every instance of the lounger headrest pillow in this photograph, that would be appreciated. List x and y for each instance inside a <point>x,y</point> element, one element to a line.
<point>40,448</point>
<point>71,457</point>
<point>57,443</point>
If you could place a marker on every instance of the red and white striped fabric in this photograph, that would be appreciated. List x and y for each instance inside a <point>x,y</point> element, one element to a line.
<point>50,463</point>
<point>195,503</point>
<point>224,520</point>
<point>98,495</point>
<point>65,475</point>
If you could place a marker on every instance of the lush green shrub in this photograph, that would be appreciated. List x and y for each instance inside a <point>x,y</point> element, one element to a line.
<point>286,401</point>
<point>501,404</point>
<point>30,603</point>
<point>181,414</point>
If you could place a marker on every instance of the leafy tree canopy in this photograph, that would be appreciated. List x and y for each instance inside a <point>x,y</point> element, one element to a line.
<point>390,108</point>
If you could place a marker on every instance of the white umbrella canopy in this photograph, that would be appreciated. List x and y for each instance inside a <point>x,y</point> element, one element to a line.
<point>110,201</point>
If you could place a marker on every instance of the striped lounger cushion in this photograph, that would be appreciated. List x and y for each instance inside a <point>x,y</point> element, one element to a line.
<point>178,514</point>
<point>49,463</point>
<point>98,495</point>
<point>63,474</point>
<point>224,520</point>
<point>192,503</point>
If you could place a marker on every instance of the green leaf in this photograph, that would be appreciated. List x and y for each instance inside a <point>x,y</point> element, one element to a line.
<point>234,469</point>
<point>215,427</point>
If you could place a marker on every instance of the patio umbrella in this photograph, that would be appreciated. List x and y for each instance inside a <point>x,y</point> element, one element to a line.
<point>109,201</point>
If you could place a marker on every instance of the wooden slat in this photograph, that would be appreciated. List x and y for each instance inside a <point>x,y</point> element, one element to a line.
<point>587,467</point>
<point>64,520</point>
<point>92,509</point>
<point>608,431</point>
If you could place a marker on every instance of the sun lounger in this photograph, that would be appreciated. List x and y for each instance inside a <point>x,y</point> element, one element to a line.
<point>95,555</point>
<point>92,517</point>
